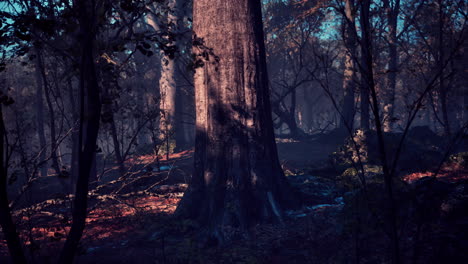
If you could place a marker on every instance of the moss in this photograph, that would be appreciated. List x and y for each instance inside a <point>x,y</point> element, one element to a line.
<point>350,179</point>
<point>351,172</point>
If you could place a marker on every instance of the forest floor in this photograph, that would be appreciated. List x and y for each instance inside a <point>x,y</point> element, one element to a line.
<point>130,217</point>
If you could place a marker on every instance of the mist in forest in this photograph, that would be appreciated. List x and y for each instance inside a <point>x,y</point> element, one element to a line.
<point>233,131</point>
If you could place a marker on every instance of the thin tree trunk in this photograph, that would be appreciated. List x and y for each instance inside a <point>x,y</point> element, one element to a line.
<point>40,116</point>
<point>365,73</point>
<point>365,116</point>
<point>464,88</point>
<point>6,220</point>
<point>90,111</point>
<point>53,139</point>
<point>349,75</point>
<point>109,119</point>
<point>392,18</point>
<point>288,117</point>
<point>74,138</point>
<point>365,125</point>
<point>237,176</point>
<point>368,77</point>
<point>442,86</point>
<point>117,150</point>
<point>294,129</point>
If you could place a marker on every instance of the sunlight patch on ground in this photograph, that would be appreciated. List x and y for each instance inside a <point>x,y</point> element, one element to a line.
<point>449,176</point>
<point>109,219</point>
<point>151,158</point>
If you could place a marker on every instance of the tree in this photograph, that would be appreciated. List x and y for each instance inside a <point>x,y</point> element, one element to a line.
<point>365,69</point>
<point>367,76</point>
<point>6,220</point>
<point>349,75</point>
<point>90,113</point>
<point>40,116</point>
<point>291,31</point>
<point>43,77</point>
<point>392,9</point>
<point>237,177</point>
<point>172,102</point>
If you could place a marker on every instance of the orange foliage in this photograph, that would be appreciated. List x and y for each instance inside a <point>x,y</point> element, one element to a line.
<point>450,173</point>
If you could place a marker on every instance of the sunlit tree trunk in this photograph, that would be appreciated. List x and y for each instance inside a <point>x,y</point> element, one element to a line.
<point>237,176</point>
<point>169,85</point>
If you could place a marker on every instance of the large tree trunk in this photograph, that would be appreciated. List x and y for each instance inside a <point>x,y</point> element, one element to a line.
<point>90,112</point>
<point>237,176</point>
<point>6,221</point>
<point>392,18</point>
<point>349,75</point>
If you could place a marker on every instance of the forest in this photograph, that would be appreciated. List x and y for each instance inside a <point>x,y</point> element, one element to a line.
<point>234,131</point>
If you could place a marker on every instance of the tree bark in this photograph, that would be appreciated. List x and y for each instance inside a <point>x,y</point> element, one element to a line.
<point>288,117</point>
<point>90,111</point>
<point>117,150</point>
<point>53,140</point>
<point>465,88</point>
<point>349,75</point>
<point>365,116</point>
<point>365,68</point>
<point>40,116</point>
<point>237,176</point>
<point>440,61</point>
<point>108,118</point>
<point>367,75</point>
<point>74,138</point>
<point>6,220</point>
<point>392,19</point>
<point>169,85</point>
